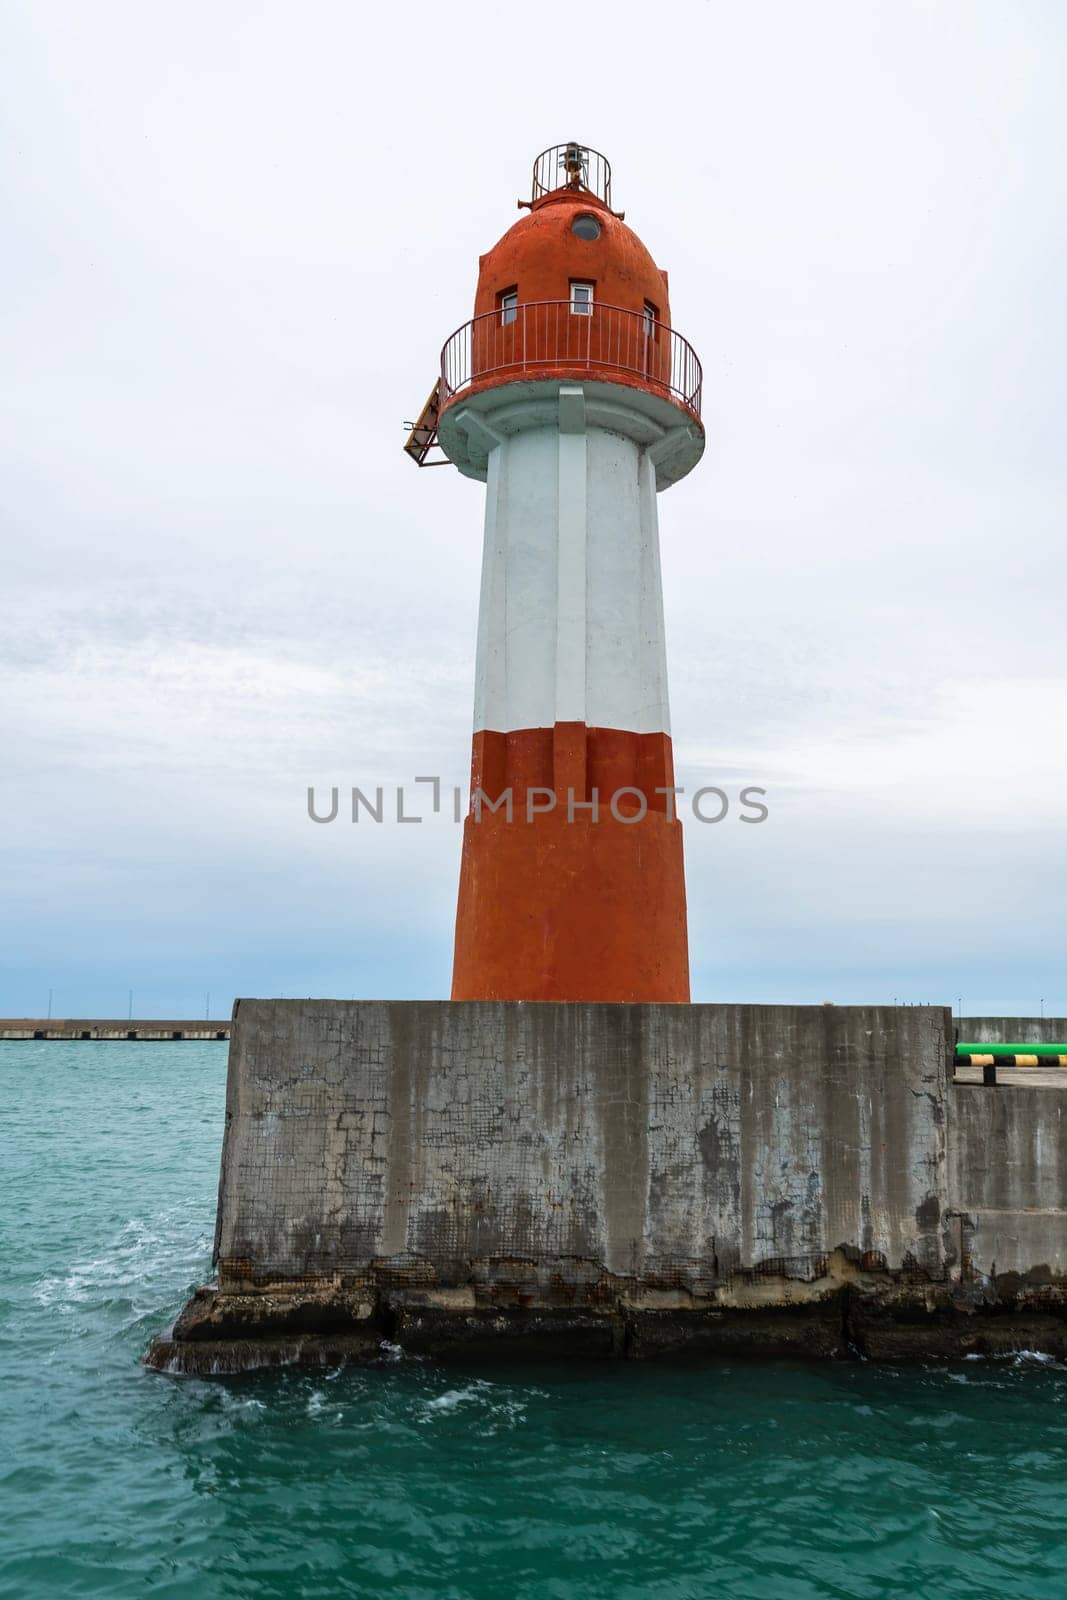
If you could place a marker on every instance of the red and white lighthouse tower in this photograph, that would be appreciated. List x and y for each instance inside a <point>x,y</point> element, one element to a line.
<point>570,395</point>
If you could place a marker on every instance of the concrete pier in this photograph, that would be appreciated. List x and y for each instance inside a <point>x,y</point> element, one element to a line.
<point>1012,1030</point>
<point>622,1180</point>
<point>133,1028</point>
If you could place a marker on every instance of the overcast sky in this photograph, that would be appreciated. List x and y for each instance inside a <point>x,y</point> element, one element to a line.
<point>234,239</point>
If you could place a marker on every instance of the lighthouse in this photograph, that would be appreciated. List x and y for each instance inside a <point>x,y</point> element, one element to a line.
<point>572,398</point>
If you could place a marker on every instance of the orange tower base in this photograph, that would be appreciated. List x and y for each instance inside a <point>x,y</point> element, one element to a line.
<point>553,907</point>
<point>553,910</point>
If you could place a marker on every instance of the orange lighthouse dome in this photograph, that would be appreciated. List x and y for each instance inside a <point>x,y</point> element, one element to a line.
<point>569,293</point>
<point>571,237</point>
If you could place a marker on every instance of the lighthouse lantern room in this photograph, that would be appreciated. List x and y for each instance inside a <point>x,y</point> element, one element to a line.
<point>570,395</point>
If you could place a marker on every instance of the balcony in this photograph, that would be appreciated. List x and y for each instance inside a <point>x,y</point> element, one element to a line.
<point>550,339</point>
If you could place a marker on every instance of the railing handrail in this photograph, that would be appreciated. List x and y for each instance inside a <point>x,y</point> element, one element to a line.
<point>683,376</point>
<point>598,305</point>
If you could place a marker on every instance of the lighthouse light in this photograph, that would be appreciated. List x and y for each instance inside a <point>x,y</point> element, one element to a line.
<point>573,161</point>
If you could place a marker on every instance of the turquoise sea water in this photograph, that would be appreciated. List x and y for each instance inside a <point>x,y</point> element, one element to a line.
<point>781,1482</point>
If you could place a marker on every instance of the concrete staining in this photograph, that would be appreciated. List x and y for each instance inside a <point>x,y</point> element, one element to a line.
<point>622,1180</point>
<point>1012,1218</point>
<point>998,1030</point>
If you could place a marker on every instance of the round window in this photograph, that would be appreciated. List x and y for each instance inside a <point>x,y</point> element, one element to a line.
<point>586,227</point>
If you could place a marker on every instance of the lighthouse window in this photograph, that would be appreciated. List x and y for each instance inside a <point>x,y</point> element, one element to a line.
<point>651,317</point>
<point>586,227</point>
<point>509,306</point>
<point>582,299</point>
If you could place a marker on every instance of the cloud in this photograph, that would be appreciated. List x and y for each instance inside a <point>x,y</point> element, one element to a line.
<point>234,249</point>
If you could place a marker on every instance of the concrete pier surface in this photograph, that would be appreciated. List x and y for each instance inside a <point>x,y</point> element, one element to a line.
<point>1013,1077</point>
<point>90,1028</point>
<point>1012,1030</point>
<point>623,1180</point>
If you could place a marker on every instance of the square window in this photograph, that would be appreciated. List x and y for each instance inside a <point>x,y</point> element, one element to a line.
<point>582,299</point>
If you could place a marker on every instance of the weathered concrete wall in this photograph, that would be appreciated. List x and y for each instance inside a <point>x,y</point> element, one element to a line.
<point>624,1179</point>
<point>1012,1030</point>
<point>666,1145</point>
<point>1008,1182</point>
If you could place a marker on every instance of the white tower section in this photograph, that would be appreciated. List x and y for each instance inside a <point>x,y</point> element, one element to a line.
<point>571,615</point>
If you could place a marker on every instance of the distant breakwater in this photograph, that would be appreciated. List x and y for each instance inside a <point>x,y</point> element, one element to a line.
<point>136,1029</point>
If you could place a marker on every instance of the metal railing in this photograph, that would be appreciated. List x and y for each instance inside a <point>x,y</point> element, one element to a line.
<point>522,341</point>
<point>568,165</point>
